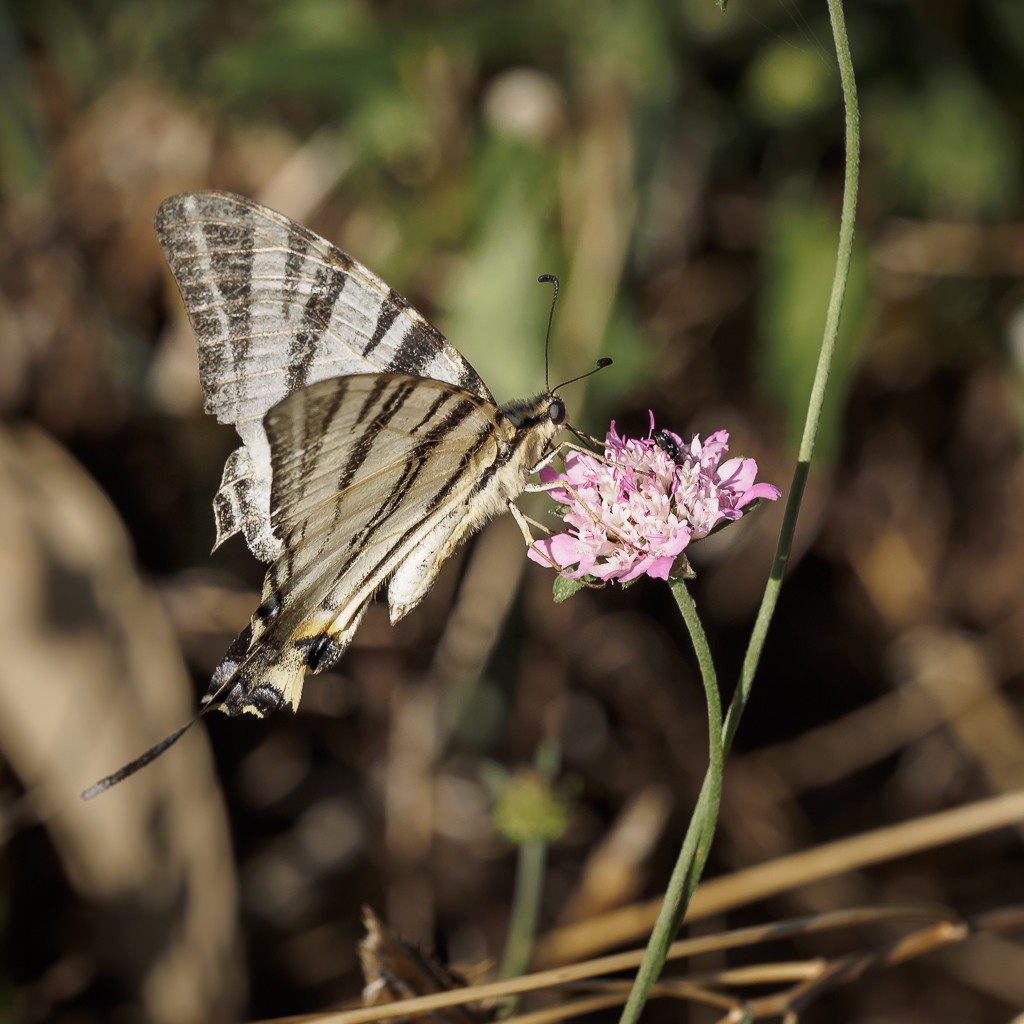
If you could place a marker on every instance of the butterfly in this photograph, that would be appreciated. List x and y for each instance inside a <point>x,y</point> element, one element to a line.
<point>370,447</point>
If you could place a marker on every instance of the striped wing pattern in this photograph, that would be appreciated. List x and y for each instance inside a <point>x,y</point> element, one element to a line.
<point>375,477</point>
<point>275,307</point>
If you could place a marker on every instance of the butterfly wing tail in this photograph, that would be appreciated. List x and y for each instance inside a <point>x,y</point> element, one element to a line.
<point>255,677</point>
<point>262,673</point>
<point>244,491</point>
<point>140,762</point>
<point>249,679</point>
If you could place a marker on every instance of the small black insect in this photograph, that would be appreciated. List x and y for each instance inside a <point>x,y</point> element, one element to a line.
<point>668,444</point>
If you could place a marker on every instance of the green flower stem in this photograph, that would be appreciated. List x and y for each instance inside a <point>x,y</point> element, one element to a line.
<point>531,860</point>
<point>817,398</point>
<point>522,928</point>
<point>697,842</point>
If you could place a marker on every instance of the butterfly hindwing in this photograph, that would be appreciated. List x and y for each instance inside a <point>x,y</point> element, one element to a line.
<point>275,307</point>
<point>375,477</point>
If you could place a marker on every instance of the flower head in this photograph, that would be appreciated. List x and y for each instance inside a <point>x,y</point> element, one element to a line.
<point>634,511</point>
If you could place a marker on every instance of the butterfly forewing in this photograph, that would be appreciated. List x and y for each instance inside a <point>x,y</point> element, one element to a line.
<point>275,307</point>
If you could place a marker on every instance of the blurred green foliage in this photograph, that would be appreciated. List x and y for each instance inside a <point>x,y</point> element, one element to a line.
<point>799,259</point>
<point>947,146</point>
<point>527,809</point>
<point>940,129</point>
<point>786,84</point>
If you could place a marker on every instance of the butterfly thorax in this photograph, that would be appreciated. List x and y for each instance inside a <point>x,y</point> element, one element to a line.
<point>530,426</point>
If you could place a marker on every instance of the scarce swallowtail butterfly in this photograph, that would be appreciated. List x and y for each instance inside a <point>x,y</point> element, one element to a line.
<point>370,448</point>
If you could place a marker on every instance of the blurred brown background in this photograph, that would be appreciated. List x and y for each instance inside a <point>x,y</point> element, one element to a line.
<point>680,170</point>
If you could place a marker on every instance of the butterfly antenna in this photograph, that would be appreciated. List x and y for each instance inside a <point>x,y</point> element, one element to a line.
<point>140,762</point>
<point>545,279</point>
<point>601,364</point>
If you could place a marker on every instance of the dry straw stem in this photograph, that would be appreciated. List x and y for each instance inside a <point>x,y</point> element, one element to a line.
<point>631,924</point>
<point>812,978</point>
<point>850,968</point>
<point>695,988</point>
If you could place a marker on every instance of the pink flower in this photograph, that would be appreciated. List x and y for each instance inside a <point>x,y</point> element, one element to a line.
<point>635,511</point>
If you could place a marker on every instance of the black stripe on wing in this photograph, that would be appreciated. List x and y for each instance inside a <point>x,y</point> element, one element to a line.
<point>275,307</point>
<point>333,437</point>
<point>394,445</point>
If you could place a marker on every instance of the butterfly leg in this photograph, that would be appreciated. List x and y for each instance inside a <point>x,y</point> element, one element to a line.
<point>523,522</point>
<point>558,450</point>
<point>553,485</point>
<point>568,488</point>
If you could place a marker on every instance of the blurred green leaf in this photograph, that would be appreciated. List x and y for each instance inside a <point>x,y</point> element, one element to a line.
<point>25,160</point>
<point>949,149</point>
<point>527,809</point>
<point>630,38</point>
<point>799,259</point>
<point>496,309</point>
<point>1009,17</point>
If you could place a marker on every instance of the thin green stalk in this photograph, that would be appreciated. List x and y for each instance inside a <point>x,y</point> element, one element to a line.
<point>817,398</point>
<point>698,837</point>
<point>531,860</point>
<point>522,928</point>
<point>697,842</point>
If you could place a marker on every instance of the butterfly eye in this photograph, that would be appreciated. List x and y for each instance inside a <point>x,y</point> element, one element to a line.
<point>556,410</point>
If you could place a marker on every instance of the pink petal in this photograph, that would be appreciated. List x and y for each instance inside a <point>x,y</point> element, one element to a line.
<point>767,491</point>
<point>660,568</point>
